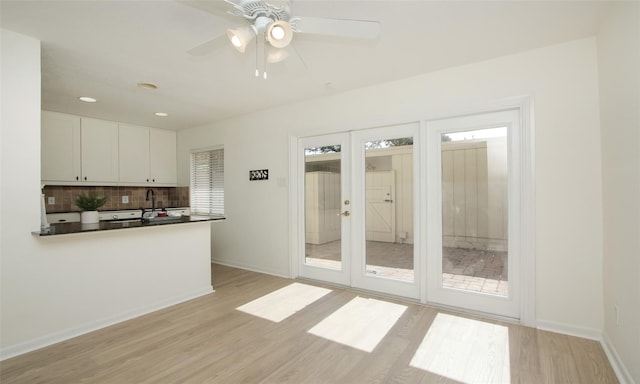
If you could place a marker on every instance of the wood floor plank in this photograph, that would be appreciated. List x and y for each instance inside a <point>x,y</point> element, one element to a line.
<point>524,356</point>
<point>557,364</point>
<point>592,363</point>
<point>206,340</point>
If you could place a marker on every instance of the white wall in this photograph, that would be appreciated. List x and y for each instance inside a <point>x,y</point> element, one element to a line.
<point>20,169</point>
<point>53,288</point>
<point>619,69</point>
<point>563,81</point>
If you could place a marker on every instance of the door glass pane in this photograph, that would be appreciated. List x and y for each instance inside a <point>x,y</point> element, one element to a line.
<point>474,211</point>
<point>322,206</point>
<point>389,208</point>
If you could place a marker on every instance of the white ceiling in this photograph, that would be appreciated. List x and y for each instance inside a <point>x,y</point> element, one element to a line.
<point>104,48</point>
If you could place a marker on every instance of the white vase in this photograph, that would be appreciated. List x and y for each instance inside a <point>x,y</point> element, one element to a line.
<point>89,217</point>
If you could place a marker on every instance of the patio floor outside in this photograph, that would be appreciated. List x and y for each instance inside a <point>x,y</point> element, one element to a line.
<point>467,269</point>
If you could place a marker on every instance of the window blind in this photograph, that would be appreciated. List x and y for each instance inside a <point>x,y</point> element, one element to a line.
<point>207,182</point>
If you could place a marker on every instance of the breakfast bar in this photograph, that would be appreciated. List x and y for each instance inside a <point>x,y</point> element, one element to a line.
<point>66,228</point>
<point>117,270</point>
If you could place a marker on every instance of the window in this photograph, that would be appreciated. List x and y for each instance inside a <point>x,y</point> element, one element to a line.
<point>207,182</point>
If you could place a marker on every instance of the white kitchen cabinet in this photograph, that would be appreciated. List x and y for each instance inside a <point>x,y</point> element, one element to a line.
<point>60,143</point>
<point>147,156</point>
<point>134,154</point>
<point>78,151</point>
<point>99,145</point>
<point>163,157</point>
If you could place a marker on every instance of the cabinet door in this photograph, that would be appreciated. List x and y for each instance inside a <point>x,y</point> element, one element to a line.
<point>99,140</point>
<point>60,161</point>
<point>163,168</point>
<point>133,145</point>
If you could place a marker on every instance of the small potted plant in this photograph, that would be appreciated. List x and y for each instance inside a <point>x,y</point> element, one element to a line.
<point>89,204</point>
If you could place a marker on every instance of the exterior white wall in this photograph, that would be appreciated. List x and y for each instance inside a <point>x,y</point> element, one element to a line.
<point>474,194</point>
<point>619,63</point>
<point>562,79</point>
<point>57,287</point>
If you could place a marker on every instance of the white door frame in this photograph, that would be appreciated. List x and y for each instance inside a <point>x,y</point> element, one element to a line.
<point>353,271</point>
<point>360,278</point>
<point>508,306</point>
<point>343,275</point>
<point>526,146</point>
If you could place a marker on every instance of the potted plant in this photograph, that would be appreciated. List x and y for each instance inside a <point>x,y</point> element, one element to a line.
<point>89,204</point>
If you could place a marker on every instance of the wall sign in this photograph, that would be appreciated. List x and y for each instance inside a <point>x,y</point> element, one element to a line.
<point>259,174</point>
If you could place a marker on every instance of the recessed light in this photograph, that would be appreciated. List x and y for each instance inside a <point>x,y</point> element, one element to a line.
<point>161,114</point>
<point>87,99</point>
<point>148,86</point>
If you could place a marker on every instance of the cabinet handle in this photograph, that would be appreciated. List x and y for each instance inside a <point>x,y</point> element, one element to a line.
<point>154,180</point>
<point>77,178</point>
<point>85,178</point>
<point>147,180</point>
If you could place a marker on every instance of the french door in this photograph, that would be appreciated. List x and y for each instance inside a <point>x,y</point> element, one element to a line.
<point>474,205</point>
<point>325,213</point>
<point>358,208</point>
<point>440,211</point>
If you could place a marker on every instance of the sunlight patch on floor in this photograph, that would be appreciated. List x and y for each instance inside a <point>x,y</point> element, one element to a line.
<point>465,350</point>
<point>360,324</point>
<point>278,305</point>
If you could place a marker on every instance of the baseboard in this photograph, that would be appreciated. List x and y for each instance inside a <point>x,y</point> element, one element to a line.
<point>41,342</point>
<point>249,268</point>
<point>571,330</point>
<point>616,363</point>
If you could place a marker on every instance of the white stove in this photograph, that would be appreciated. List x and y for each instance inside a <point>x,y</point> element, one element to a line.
<point>120,215</point>
<point>127,214</point>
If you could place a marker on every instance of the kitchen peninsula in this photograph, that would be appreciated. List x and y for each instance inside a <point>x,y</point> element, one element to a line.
<point>87,277</point>
<point>121,270</point>
<point>76,227</point>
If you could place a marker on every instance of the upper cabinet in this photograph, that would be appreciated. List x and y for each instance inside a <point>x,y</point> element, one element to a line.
<point>147,156</point>
<point>99,145</point>
<point>134,154</point>
<point>84,151</point>
<point>162,157</point>
<point>78,150</point>
<point>60,144</point>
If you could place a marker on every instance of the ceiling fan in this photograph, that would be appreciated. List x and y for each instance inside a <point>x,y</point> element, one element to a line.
<point>271,24</point>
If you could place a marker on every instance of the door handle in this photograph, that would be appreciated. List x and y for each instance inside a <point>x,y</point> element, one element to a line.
<point>345,213</point>
<point>388,201</point>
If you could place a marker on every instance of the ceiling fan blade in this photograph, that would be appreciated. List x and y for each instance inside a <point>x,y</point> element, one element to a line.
<point>209,46</point>
<point>295,63</point>
<point>222,9</point>
<point>359,29</point>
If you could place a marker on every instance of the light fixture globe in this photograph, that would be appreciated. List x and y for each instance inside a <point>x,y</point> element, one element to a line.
<point>276,55</point>
<point>240,37</point>
<point>279,34</point>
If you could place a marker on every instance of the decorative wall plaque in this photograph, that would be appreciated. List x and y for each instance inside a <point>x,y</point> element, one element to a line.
<point>259,174</point>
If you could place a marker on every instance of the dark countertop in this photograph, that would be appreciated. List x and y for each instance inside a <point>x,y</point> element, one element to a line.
<point>68,228</point>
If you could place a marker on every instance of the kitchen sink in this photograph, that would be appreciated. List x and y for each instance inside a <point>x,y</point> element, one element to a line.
<point>161,219</point>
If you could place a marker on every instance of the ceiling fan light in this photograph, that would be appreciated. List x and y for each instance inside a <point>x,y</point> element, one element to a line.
<point>276,55</point>
<point>240,37</point>
<point>279,34</point>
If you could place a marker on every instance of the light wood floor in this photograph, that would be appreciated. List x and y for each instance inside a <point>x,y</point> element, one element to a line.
<point>207,341</point>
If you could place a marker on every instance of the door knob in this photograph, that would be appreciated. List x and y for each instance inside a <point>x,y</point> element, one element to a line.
<point>345,213</point>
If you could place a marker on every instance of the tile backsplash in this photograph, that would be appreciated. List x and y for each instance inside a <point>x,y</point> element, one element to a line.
<point>166,197</point>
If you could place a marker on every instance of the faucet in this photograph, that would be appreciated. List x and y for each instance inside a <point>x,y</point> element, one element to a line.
<point>153,200</point>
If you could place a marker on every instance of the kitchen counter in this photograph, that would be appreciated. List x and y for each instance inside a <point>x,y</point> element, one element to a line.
<point>69,228</point>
